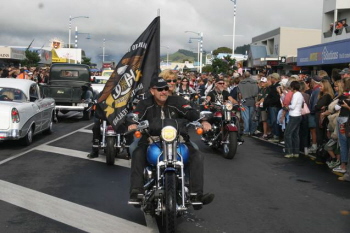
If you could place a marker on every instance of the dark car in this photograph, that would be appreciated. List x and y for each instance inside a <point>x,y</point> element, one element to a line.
<point>65,86</point>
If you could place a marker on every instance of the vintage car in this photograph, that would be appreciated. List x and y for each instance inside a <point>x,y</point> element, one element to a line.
<point>107,73</point>
<point>98,83</point>
<point>65,87</point>
<point>23,110</point>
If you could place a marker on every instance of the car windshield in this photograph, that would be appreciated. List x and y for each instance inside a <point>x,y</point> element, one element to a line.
<point>107,73</point>
<point>100,81</point>
<point>11,94</point>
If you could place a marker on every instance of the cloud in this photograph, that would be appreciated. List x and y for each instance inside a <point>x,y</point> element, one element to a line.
<point>121,22</point>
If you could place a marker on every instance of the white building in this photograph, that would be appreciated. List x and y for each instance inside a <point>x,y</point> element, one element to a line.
<point>283,42</point>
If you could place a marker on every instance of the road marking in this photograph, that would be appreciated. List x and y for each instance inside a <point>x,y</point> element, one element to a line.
<point>34,148</point>
<point>69,213</point>
<point>81,155</point>
<point>85,130</point>
<point>26,200</point>
<point>151,223</point>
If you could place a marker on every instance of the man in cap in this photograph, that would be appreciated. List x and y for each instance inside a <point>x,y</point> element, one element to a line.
<point>156,109</point>
<point>345,73</point>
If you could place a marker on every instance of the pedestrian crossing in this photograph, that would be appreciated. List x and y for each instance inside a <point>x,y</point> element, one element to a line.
<point>72,214</point>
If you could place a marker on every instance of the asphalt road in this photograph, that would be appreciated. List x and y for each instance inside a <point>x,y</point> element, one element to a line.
<point>51,186</point>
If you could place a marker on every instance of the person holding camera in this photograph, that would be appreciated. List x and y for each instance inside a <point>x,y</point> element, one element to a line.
<point>342,122</point>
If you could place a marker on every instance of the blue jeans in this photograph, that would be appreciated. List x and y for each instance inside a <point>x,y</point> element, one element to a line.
<point>343,141</point>
<point>291,135</point>
<point>272,120</point>
<point>249,125</point>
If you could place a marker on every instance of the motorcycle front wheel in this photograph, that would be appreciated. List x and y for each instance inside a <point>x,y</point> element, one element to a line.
<point>111,151</point>
<point>230,148</point>
<point>170,201</point>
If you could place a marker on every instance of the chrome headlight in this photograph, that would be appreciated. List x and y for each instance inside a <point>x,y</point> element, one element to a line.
<point>169,133</point>
<point>229,106</point>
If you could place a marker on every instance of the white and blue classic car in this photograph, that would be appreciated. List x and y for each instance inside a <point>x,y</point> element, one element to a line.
<point>23,110</point>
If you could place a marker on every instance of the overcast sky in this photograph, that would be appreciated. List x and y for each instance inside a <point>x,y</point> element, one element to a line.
<point>122,21</point>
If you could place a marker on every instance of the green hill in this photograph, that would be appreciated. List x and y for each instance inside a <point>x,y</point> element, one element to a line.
<point>180,56</point>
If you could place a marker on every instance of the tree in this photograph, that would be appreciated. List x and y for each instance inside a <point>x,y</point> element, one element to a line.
<point>32,58</point>
<point>226,65</point>
<point>86,60</point>
<point>222,50</point>
<point>242,49</point>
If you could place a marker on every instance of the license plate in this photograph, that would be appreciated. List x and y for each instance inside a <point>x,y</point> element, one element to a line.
<point>82,105</point>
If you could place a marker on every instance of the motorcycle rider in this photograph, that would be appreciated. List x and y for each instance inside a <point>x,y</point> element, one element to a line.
<point>96,132</point>
<point>87,95</point>
<point>156,108</point>
<point>219,94</point>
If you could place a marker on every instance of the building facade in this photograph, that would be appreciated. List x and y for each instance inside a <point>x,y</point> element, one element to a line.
<point>334,51</point>
<point>278,48</point>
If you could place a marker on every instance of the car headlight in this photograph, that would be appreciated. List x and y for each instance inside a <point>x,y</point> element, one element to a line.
<point>169,133</point>
<point>229,106</point>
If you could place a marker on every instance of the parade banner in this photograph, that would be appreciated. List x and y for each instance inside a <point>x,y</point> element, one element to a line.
<point>132,75</point>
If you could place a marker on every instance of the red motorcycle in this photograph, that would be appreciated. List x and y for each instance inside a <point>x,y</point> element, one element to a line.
<point>225,133</point>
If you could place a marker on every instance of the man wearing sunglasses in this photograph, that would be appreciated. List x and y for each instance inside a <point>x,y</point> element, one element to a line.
<point>219,94</point>
<point>156,108</point>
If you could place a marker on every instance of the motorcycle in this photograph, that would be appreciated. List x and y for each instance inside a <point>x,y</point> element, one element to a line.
<point>225,132</point>
<point>166,192</point>
<point>112,143</point>
<point>192,98</point>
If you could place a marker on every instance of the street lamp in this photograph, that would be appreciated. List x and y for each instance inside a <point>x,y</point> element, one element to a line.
<point>80,33</point>
<point>103,48</point>
<point>70,29</point>
<point>167,56</point>
<point>201,48</point>
<point>234,26</point>
<point>190,41</point>
<point>76,41</point>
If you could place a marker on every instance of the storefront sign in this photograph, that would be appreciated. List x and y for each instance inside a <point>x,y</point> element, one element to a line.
<point>329,53</point>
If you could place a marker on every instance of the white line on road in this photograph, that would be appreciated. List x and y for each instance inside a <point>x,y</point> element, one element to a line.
<point>34,148</point>
<point>69,213</point>
<point>85,130</point>
<point>80,154</point>
<point>74,153</point>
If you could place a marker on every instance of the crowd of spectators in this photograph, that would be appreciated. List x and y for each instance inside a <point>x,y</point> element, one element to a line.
<point>338,26</point>
<point>37,74</point>
<point>272,107</point>
<point>272,110</point>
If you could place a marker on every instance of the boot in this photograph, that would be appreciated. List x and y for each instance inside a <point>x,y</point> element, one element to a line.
<point>94,151</point>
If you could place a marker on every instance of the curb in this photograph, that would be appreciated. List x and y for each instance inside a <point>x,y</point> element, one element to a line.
<point>311,157</point>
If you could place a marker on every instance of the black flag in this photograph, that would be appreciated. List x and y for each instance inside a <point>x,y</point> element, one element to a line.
<point>132,75</point>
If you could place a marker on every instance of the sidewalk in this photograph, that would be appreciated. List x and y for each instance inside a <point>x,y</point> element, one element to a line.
<point>310,156</point>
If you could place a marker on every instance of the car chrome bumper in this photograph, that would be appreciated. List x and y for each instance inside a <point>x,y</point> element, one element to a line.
<point>9,135</point>
<point>69,108</point>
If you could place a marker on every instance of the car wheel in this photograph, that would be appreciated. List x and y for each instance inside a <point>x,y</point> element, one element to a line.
<point>28,139</point>
<point>49,130</point>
